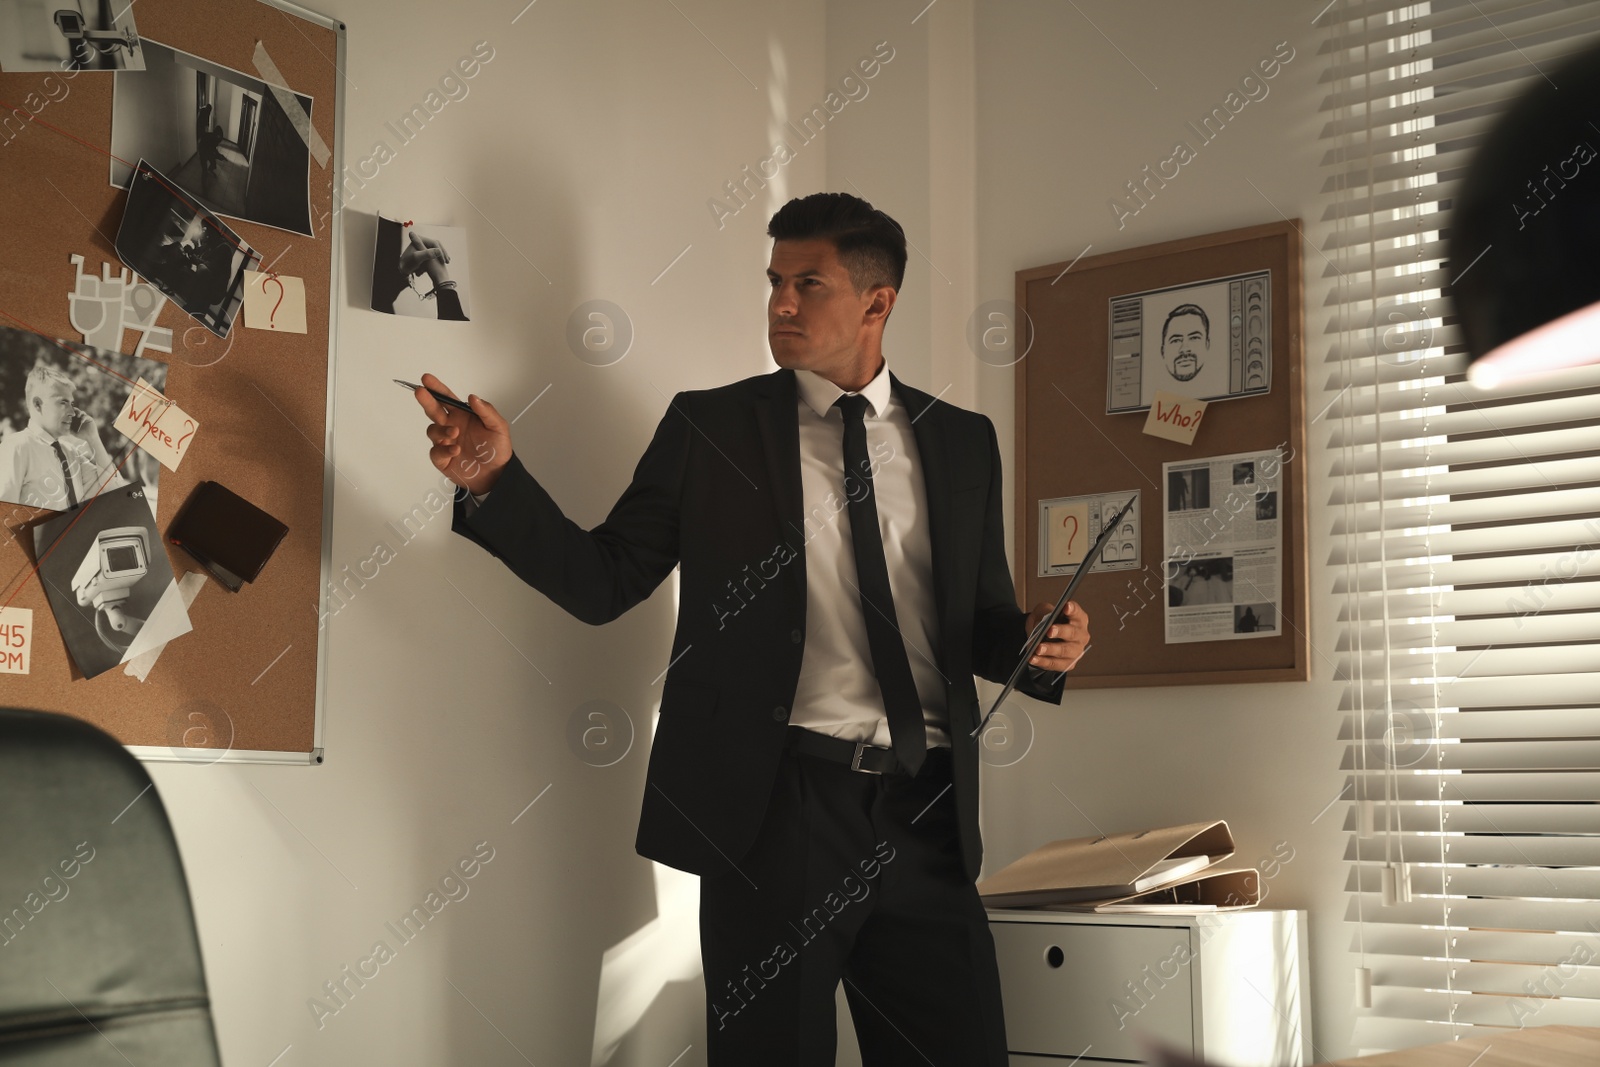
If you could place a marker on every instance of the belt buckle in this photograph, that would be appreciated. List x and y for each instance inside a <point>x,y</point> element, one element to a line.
<point>855,762</point>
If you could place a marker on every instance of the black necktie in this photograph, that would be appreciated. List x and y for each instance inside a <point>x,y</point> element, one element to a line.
<point>889,661</point>
<point>72,497</point>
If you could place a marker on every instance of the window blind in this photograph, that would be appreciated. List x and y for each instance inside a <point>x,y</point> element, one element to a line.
<point>1465,553</point>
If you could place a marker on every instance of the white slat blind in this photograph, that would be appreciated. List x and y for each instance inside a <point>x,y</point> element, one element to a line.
<point>1466,550</point>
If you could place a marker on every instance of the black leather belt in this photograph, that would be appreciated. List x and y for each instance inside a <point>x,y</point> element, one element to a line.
<point>857,755</point>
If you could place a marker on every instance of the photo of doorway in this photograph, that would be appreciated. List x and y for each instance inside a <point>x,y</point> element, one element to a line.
<point>225,118</point>
<point>219,134</point>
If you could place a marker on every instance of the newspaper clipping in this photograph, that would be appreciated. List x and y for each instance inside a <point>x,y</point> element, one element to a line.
<point>1224,547</point>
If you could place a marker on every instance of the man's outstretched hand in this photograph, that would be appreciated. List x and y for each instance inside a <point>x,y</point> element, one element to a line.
<point>1064,645</point>
<point>470,450</point>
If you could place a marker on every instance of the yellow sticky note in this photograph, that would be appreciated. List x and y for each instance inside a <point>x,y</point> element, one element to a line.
<point>156,424</point>
<point>16,639</point>
<point>1175,418</point>
<point>274,302</point>
<point>1069,533</point>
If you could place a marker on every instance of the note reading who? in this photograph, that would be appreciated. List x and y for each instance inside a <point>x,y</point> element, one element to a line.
<point>156,424</point>
<point>16,639</point>
<point>1175,418</point>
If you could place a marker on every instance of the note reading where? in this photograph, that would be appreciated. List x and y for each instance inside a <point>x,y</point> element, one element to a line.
<point>156,424</point>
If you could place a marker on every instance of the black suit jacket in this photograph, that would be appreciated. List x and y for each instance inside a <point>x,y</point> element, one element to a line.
<point>717,493</point>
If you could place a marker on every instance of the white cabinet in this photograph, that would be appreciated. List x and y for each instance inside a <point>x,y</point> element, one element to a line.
<point>1228,986</point>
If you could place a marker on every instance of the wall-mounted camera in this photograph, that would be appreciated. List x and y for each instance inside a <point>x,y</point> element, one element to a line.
<point>70,23</point>
<point>114,564</point>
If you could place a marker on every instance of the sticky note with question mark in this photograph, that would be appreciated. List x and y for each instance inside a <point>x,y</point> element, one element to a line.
<point>1069,533</point>
<point>156,424</point>
<point>274,302</point>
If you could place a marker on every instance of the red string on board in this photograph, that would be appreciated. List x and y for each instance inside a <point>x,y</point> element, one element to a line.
<point>70,351</point>
<point>150,170</point>
<point>84,508</point>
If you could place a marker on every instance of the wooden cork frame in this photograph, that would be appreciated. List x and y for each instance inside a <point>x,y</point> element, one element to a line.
<point>247,683</point>
<point>1067,445</point>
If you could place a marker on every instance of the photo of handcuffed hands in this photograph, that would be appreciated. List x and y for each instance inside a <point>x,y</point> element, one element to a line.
<point>420,271</point>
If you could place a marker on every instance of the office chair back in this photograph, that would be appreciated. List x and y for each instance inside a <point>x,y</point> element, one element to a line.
<point>99,960</point>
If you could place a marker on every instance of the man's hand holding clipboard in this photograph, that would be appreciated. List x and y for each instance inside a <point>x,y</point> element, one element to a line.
<point>1058,634</point>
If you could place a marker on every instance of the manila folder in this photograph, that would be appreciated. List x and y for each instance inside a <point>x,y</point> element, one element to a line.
<point>1101,867</point>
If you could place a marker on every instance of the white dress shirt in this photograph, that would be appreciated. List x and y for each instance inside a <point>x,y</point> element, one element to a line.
<point>31,472</point>
<point>838,693</point>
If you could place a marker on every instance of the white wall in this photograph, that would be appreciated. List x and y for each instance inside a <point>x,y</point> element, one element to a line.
<point>580,164</point>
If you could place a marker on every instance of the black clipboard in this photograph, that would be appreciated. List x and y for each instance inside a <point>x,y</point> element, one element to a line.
<point>1037,636</point>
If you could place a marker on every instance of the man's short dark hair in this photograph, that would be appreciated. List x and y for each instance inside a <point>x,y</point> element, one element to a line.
<point>871,245</point>
<point>1186,309</point>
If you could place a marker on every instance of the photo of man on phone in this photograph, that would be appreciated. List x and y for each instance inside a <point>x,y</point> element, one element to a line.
<point>59,460</point>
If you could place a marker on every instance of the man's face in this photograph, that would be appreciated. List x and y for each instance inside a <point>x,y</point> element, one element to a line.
<point>53,410</point>
<point>1185,346</point>
<point>815,319</point>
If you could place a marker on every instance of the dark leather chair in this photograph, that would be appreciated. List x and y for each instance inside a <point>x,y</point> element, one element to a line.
<point>99,960</point>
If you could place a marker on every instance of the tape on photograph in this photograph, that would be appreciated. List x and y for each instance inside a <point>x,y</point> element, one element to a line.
<point>291,106</point>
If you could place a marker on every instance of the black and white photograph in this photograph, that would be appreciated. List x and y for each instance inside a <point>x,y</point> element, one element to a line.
<point>58,403</point>
<point>1266,506</point>
<point>184,250</point>
<point>1244,473</point>
<point>420,271</point>
<point>1201,582</point>
<point>219,134</point>
<point>1254,618</point>
<point>108,579</point>
<point>1189,490</point>
<point>61,35</point>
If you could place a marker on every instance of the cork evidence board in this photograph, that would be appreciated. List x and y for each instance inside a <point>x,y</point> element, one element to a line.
<point>78,111</point>
<point>1208,585</point>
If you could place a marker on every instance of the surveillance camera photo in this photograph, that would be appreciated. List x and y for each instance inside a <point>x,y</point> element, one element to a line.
<point>229,138</point>
<point>68,35</point>
<point>108,580</point>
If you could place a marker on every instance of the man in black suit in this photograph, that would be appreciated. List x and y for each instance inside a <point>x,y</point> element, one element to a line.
<point>814,760</point>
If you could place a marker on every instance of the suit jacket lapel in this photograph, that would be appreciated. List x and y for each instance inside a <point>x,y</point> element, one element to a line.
<point>926,426</point>
<point>778,420</point>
